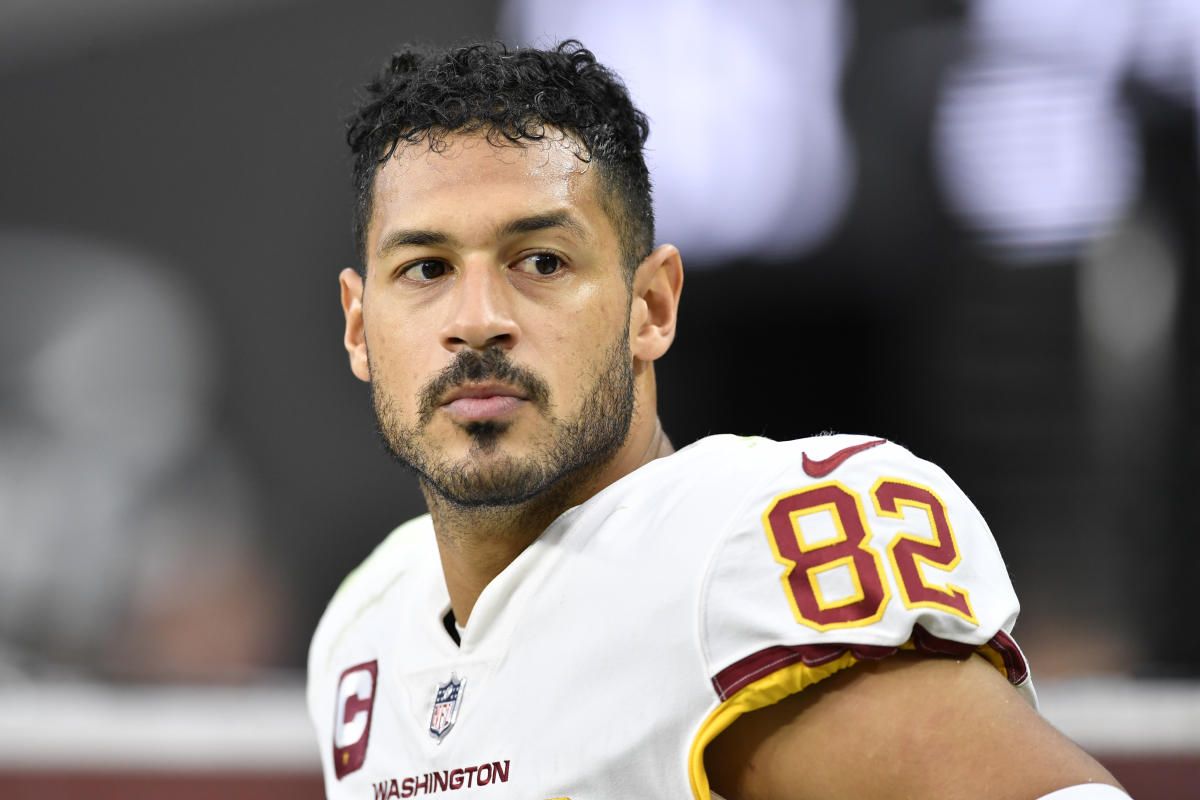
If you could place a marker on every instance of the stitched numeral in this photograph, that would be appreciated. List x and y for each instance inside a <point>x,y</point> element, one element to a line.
<point>820,535</point>
<point>908,551</point>
<point>834,579</point>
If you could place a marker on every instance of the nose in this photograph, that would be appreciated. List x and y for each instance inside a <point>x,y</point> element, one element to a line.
<point>480,313</point>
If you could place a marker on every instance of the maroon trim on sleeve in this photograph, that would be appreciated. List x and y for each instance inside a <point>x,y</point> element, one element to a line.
<point>736,676</point>
<point>927,644</point>
<point>1015,666</point>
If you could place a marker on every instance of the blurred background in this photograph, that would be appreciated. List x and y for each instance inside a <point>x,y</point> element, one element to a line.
<point>969,227</point>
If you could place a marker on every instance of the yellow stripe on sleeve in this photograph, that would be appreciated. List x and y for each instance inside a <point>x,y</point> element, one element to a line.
<point>761,693</point>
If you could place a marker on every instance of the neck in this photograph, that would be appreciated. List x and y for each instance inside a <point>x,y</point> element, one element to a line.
<point>476,544</point>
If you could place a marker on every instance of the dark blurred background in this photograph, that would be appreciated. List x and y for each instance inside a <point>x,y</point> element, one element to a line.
<point>967,227</point>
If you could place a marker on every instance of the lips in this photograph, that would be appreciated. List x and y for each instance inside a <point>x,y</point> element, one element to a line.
<point>480,402</point>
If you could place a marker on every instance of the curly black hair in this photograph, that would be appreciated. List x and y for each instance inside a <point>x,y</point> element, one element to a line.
<point>512,96</point>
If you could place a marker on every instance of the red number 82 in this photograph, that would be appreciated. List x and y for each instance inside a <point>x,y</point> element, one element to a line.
<point>848,549</point>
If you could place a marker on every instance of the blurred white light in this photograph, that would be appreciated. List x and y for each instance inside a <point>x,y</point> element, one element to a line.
<point>1039,160</point>
<point>1034,149</point>
<point>748,150</point>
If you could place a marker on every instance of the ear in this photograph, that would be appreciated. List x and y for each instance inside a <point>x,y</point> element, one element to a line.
<point>355,338</point>
<point>655,307</point>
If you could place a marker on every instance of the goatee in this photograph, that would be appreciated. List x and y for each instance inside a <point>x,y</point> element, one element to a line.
<point>488,477</point>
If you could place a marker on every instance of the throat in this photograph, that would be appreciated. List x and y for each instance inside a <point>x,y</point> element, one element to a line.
<point>475,545</point>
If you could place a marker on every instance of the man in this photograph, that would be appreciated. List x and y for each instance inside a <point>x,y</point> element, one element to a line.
<point>584,614</point>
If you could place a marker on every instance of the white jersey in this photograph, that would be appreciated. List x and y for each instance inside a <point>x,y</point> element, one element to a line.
<point>603,659</point>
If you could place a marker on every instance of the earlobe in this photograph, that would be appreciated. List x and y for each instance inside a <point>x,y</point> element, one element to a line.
<point>355,337</point>
<point>656,288</point>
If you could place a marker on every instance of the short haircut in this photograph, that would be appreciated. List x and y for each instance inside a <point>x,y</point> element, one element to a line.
<point>511,96</point>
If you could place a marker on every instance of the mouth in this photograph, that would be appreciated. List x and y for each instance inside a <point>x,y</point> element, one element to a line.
<point>475,402</point>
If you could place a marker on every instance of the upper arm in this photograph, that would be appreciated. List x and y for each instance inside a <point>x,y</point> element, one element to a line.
<point>906,726</point>
<point>857,556</point>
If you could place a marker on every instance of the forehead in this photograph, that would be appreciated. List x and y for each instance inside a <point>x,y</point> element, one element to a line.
<point>470,180</point>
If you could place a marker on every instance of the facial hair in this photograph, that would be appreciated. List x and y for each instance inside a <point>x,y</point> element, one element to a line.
<point>488,477</point>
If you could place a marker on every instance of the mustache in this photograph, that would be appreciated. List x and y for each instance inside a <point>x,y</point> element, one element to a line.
<point>470,366</point>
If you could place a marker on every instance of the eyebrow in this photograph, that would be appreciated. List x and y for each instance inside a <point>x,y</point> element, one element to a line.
<point>406,237</point>
<point>411,238</point>
<point>541,222</point>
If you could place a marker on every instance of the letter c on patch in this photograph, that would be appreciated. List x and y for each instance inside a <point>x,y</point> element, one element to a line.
<point>352,717</point>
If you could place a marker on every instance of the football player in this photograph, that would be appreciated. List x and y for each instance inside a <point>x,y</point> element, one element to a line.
<point>584,613</point>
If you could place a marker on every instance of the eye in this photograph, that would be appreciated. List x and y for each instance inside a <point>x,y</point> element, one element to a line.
<point>426,269</point>
<point>540,263</point>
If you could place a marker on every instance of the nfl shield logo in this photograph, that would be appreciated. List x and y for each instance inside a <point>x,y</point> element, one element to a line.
<point>445,706</point>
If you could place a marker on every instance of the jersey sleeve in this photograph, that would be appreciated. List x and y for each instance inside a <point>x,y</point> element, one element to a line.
<point>846,549</point>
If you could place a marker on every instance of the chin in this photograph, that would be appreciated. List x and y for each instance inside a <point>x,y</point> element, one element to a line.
<point>502,484</point>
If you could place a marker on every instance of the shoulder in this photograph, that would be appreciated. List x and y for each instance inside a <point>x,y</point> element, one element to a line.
<point>743,475</point>
<point>809,459</point>
<point>409,548</point>
<point>724,469</point>
<point>841,547</point>
<point>790,494</point>
<point>740,462</point>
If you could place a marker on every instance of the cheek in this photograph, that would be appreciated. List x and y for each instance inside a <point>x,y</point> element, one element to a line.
<point>583,353</point>
<point>395,362</point>
<point>597,313</point>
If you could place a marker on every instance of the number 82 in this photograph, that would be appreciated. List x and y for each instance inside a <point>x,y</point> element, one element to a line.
<point>850,548</point>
